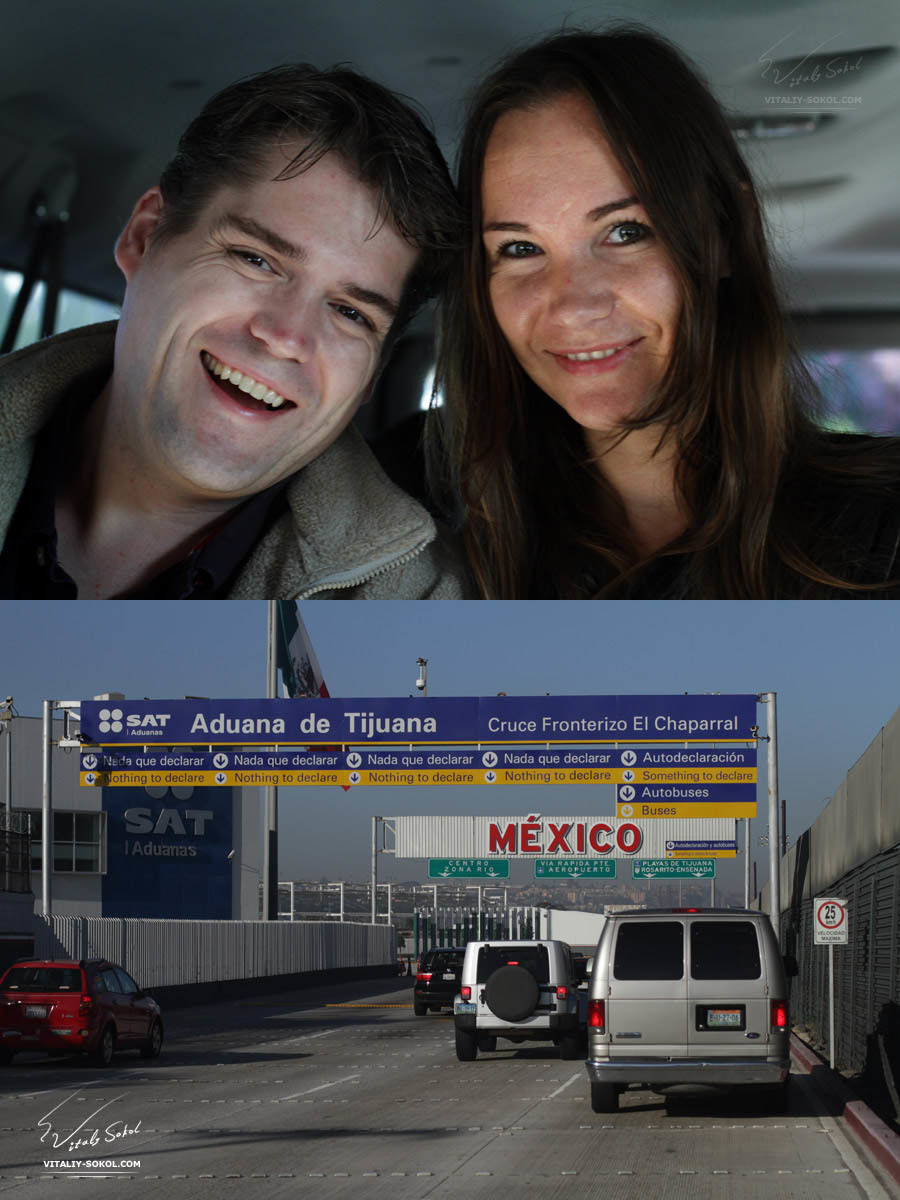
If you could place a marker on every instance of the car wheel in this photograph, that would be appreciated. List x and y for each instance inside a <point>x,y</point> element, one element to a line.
<point>512,993</point>
<point>5,1056</point>
<point>466,1045</point>
<point>487,1043</point>
<point>420,1009</point>
<point>106,1047</point>
<point>570,1046</point>
<point>153,1044</point>
<point>604,1097</point>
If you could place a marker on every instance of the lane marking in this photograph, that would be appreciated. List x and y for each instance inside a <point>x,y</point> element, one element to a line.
<point>568,1083</point>
<point>321,1087</point>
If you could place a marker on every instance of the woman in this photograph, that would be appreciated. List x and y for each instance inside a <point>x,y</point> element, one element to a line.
<point>624,414</point>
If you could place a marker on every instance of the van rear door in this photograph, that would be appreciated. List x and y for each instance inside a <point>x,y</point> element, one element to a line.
<point>647,1009</point>
<point>728,1002</point>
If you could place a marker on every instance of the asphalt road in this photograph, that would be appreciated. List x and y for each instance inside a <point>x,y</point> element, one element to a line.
<point>343,1092</point>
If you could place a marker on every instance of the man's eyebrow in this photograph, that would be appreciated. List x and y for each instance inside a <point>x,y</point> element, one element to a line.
<point>281,245</point>
<point>261,232</point>
<point>594,215</point>
<point>390,308</point>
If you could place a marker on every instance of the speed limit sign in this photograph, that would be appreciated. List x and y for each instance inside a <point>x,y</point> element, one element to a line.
<point>829,920</point>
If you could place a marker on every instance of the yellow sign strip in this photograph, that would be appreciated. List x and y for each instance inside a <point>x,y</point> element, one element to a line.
<point>402,777</point>
<point>674,808</point>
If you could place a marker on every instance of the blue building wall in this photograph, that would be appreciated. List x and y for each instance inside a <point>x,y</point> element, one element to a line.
<point>167,852</point>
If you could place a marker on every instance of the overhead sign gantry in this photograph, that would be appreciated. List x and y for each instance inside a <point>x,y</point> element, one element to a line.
<point>440,741</point>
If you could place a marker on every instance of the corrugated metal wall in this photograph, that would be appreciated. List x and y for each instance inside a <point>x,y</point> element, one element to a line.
<point>852,851</point>
<point>160,953</point>
<point>866,969</point>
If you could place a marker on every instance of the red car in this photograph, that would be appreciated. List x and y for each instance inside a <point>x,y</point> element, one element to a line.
<point>91,1007</point>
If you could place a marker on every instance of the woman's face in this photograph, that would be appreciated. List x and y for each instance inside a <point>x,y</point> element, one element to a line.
<point>579,283</point>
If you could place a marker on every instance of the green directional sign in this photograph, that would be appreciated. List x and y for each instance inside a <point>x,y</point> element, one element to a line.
<point>574,868</point>
<point>673,868</point>
<point>468,868</point>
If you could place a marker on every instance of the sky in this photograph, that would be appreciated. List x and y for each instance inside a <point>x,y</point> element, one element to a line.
<point>833,665</point>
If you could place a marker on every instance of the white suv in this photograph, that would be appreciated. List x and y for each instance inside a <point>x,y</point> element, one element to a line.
<point>520,991</point>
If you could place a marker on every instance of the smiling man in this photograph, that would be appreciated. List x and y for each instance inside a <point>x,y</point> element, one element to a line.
<point>201,447</point>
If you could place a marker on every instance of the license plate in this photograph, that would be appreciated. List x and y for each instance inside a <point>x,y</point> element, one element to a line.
<point>723,1018</point>
<point>449,975</point>
<point>36,1010</point>
<point>463,1007</point>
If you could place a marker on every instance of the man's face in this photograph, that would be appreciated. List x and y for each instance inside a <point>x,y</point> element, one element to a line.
<point>281,286</point>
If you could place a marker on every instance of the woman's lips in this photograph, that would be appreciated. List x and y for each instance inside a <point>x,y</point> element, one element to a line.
<point>595,360</point>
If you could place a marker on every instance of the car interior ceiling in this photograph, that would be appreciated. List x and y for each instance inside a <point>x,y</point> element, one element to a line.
<point>91,113</point>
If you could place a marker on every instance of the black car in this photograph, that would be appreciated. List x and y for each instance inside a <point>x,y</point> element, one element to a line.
<point>437,979</point>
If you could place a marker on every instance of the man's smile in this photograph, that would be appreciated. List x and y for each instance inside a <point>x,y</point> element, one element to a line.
<point>245,383</point>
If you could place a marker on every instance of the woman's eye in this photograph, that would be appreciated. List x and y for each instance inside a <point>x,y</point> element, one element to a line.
<point>517,250</point>
<point>627,232</point>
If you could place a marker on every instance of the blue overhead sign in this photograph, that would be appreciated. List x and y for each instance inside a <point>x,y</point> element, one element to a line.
<point>421,720</point>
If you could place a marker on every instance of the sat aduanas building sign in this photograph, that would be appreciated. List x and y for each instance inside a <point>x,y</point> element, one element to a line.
<point>422,720</point>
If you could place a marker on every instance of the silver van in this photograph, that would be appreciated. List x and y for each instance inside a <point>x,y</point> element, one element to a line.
<point>688,996</point>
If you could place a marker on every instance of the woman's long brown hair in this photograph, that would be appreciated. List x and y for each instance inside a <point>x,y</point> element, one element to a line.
<point>539,519</point>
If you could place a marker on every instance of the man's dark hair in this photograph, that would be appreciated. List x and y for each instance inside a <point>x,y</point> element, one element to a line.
<point>379,137</point>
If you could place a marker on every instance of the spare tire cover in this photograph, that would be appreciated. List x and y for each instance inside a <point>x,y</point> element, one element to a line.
<point>512,993</point>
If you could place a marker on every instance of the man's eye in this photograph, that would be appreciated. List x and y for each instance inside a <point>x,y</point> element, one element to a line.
<point>353,314</point>
<point>252,259</point>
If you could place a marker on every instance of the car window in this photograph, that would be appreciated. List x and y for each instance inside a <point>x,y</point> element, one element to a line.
<point>43,979</point>
<point>111,980</point>
<point>126,983</point>
<point>724,950</point>
<point>649,950</point>
<point>443,962</point>
<point>532,958</point>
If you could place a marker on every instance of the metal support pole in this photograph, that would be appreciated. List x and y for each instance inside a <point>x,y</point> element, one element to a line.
<point>774,836</point>
<point>342,899</point>
<point>747,862</point>
<point>270,792</point>
<point>47,813</point>
<point>831,1004</point>
<point>7,791</point>
<point>374,868</point>
<point>390,913</point>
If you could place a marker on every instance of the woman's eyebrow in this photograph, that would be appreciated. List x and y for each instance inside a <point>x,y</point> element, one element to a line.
<point>594,215</point>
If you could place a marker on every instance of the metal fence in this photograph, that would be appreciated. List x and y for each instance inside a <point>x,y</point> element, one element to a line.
<point>866,970</point>
<point>162,953</point>
<point>852,852</point>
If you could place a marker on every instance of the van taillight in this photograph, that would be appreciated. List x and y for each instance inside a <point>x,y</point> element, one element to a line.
<point>561,992</point>
<point>465,993</point>
<point>597,1015</point>
<point>85,1005</point>
<point>779,1015</point>
<point>423,975</point>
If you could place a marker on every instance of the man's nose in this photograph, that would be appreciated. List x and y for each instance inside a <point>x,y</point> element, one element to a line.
<point>287,324</point>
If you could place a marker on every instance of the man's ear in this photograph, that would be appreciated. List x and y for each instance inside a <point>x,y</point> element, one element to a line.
<point>132,242</point>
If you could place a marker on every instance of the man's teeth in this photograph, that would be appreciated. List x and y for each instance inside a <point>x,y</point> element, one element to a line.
<point>592,355</point>
<point>245,383</point>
